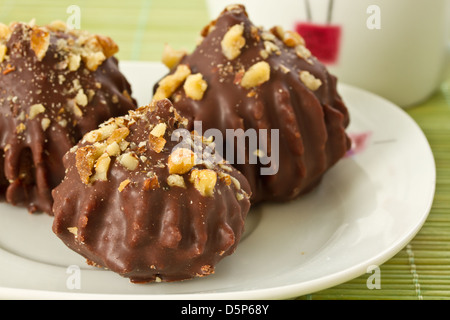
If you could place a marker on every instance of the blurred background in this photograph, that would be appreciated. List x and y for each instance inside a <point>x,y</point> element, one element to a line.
<point>140,27</point>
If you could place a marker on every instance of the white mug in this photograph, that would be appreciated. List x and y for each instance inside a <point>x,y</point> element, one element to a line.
<point>398,49</point>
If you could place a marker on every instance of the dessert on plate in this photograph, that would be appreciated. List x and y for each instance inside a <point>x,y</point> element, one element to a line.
<point>56,85</point>
<point>249,83</point>
<point>150,200</point>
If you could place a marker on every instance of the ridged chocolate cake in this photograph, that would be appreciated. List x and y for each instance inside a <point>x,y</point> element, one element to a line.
<point>56,85</point>
<point>247,79</point>
<point>149,200</point>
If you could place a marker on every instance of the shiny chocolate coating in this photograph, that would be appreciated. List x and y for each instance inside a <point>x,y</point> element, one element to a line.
<point>299,99</point>
<point>55,85</point>
<point>147,219</point>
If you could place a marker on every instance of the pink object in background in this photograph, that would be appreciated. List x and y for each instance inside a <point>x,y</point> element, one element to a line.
<point>323,40</point>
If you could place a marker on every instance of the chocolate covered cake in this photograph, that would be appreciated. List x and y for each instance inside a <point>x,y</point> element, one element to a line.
<point>150,200</point>
<point>264,85</point>
<point>56,85</point>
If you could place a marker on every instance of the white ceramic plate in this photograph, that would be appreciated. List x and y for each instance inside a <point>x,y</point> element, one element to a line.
<point>368,207</point>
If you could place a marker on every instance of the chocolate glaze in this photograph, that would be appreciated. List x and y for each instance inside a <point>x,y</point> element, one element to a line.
<point>33,140</point>
<point>311,123</point>
<point>150,231</point>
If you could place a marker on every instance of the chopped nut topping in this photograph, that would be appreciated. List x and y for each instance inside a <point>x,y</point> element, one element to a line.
<point>20,128</point>
<point>81,99</point>
<point>264,54</point>
<point>5,31</point>
<point>204,181</point>
<point>302,52</point>
<point>40,40</point>
<point>45,123</point>
<point>181,160</point>
<point>151,183</point>
<point>225,177</point>
<point>9,69</point>
<point>3,50</point>
<point>84,160</point>
<point>129,161</point>
<point>195,86</point>
<point>36,109</point>
<point>239,196</point>
<point>292,39</point>
<point>256,75</point>
<point>267,36</point>
<point>123,184</point>
<point>156,143</point>
<point>170,83</point>
<point>159,130</point>
<point>172,57</point>
<point>57,25</point>
<point>113,149</point>
<point>271,47</point>
<point>278,31</point>
<point>101,133</point>
<point>175,180</point>
<point>101,167</point>
<point>109,47</point>
<point>73,230</point>
<point>118,135</point>
<point>310,81</point>
<point>74,62</point>
<point>233,42</point>
<point>93,59</point>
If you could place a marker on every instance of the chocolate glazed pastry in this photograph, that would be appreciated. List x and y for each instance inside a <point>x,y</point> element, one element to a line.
<point>148,201</point>
<point>244,77</point>
<point>55,85</point>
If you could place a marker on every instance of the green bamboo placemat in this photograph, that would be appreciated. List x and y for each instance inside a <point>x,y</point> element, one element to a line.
<point>141,27</point>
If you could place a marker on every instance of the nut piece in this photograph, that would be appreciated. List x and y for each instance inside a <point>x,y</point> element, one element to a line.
<point>170,83</point>
<point>101,133</point>
<point>5,31</point>
<point>175,180</point>
<point>113,149</point>
<point>40,40</point>
<point>93,59</point>
<point>181,160</point>
<point>74,62</point>
<point>156,143</point>
<point>85,159</point>
<point>233,41</point>
<point>36,109</point>
<point>118,135</point>
<point>172,57</point>
<point>292,39</point>
<point>81,98</point>
<point>159,130</point>
<point>156,140</point>
<point>302,52</point>
<point>151,183</point>
<point>3,50</point>
<point>129,161</point>
<point>57,25</point>
<point>123,184</point>
<point>109,47</point>
<point>310,81</point>
<point>45,123</point>
<point>101,168</point>
<point>204,181</point>
<point>195,86</point>
<point>256,75</point>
